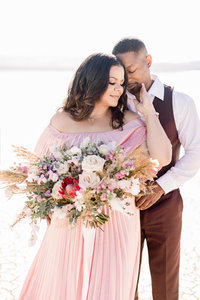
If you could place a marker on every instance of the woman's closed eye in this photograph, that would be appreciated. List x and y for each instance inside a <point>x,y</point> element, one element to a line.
<point>113,83</point>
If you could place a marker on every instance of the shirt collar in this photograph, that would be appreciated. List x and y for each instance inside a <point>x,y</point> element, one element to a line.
<point>156,90</point>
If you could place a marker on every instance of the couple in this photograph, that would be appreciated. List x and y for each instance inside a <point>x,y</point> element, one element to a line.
<point>71,265</point>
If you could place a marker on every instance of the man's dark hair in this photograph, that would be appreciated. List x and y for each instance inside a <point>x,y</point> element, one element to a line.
<point>128,45</point>
<point>90,83</point>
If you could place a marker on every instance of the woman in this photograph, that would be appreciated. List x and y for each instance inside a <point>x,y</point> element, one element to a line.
<point>76,264</point>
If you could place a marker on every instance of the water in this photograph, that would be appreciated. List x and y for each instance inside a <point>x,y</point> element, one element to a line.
<point>28,100</point>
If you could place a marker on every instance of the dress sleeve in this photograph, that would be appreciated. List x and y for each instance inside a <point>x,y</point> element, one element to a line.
<point>45,141</point>
<point>135,136</point>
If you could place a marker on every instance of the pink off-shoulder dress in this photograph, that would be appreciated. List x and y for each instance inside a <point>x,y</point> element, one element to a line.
<point>84,264</point>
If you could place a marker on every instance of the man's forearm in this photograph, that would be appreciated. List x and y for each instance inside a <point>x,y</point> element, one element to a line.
<point>183,170</point>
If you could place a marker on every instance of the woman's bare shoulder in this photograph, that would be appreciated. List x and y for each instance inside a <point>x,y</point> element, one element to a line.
<point>60,120</point>
<point>130,115</point>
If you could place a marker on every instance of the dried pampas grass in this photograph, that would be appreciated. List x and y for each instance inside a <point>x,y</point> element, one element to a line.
<point>25,154</point>
<point>8,177</point>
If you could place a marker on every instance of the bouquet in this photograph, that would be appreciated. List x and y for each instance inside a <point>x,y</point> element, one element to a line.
<point>77,182</point>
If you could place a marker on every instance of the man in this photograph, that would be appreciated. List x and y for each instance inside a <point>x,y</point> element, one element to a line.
<point>161,211</point>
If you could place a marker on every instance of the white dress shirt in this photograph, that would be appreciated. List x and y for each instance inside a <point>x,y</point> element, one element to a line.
<point>188,127</point>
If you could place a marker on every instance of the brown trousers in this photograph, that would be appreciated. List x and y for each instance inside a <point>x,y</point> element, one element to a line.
<point>161,227</point>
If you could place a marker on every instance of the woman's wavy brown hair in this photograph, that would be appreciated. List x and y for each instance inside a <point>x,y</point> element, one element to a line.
<point>89,84</point>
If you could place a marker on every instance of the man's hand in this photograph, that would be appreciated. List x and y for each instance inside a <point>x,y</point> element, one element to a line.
<point>145,202</point>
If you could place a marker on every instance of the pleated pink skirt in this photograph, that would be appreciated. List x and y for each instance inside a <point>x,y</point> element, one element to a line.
<point>74,264</point>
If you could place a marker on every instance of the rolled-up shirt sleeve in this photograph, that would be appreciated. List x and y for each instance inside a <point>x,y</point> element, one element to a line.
<point>188,127</point>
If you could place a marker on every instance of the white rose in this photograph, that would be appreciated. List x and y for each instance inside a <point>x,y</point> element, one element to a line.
<point>53,176</point>
<point>42,178</point>
<point>85,142</point>
<point>135,187</point>
<point>105,148</point>
<point>74,150</point>
<point>93,163</point>
<point>63,168</point>
<point>55,191</point>
<point>88,179</point>
<point>75,160</point>
<point>33,174</point>
<point>79,205</point>
<point>55,151</point>
<point>124,184</point>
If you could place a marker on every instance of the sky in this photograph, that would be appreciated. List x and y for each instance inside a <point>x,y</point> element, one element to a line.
<point>62,29</point>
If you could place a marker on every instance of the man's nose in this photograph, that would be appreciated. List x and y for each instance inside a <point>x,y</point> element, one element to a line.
<point>129,76</point>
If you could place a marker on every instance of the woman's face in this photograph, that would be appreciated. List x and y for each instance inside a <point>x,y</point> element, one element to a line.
<point>115,87</point>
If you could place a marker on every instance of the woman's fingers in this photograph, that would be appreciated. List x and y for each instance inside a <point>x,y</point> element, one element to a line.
<point>136,102</point>
<point>143,93</point>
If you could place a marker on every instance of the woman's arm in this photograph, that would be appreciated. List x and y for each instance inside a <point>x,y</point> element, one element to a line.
<point>158,144</point>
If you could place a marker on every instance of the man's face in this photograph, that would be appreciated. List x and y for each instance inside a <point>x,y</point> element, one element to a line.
<point>137,67</point>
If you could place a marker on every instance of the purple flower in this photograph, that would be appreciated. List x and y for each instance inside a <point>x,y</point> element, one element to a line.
<point>50,167</point>
<point>110,156</point>
<point>129,164</point>
<point>48,193</point>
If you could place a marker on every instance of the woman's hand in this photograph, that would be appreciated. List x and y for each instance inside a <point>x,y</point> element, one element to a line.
<point>158,144</point>
<point>144,106</point>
